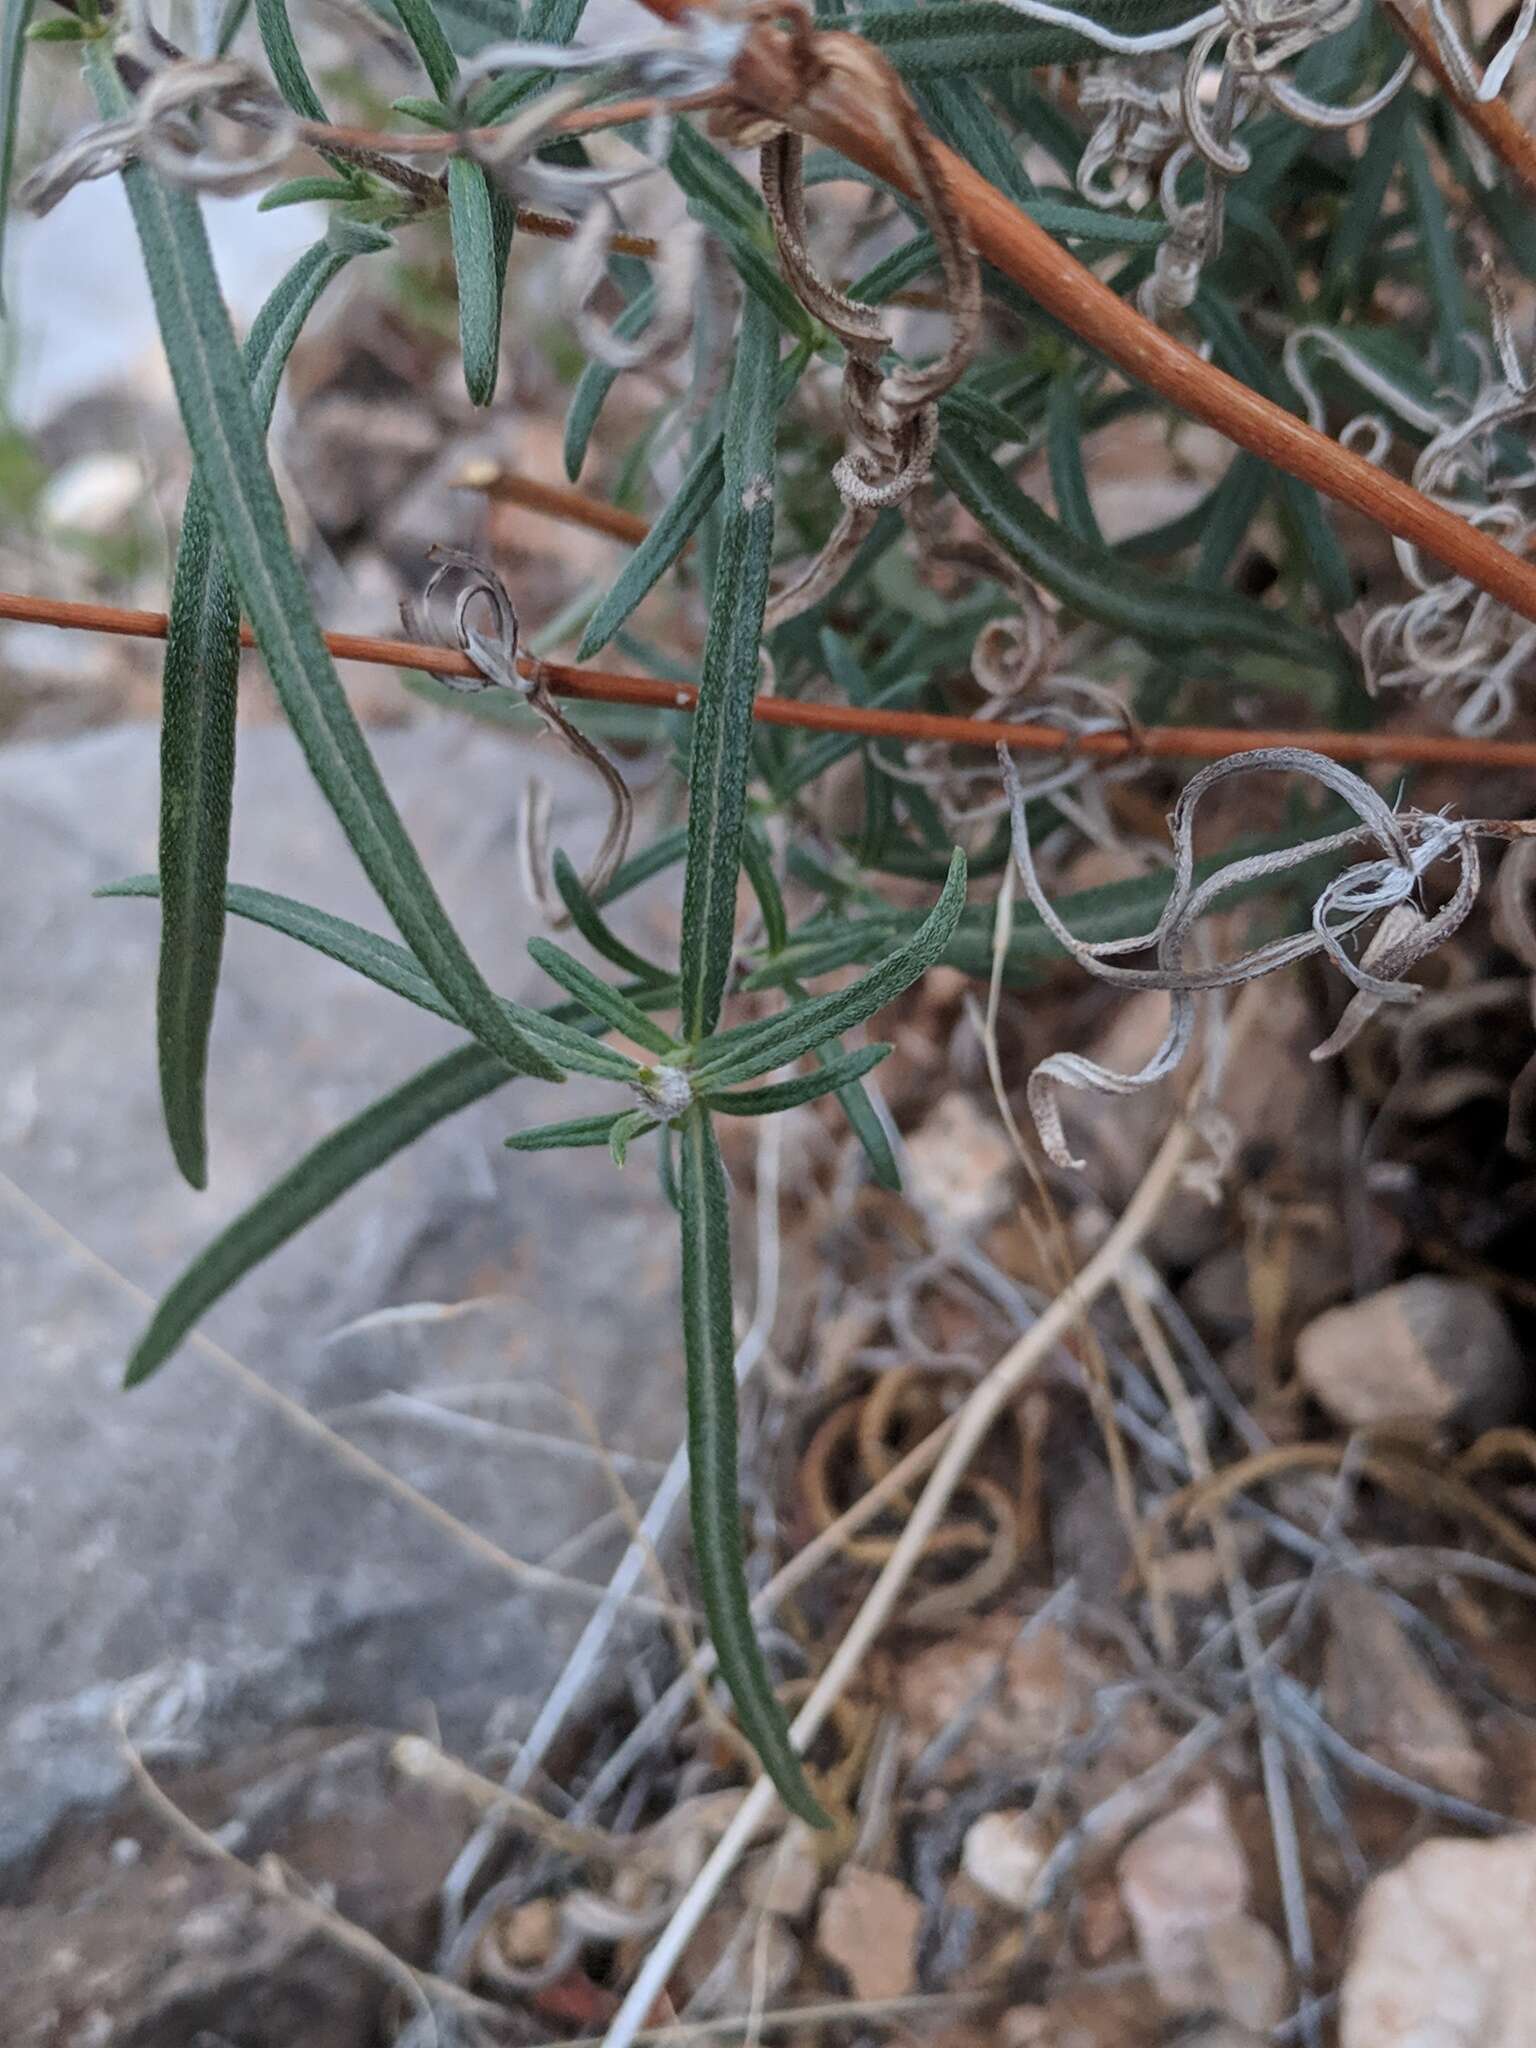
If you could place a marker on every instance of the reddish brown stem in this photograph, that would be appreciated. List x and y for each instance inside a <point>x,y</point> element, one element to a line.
<point>555,501</point>
<point>1159,742</point>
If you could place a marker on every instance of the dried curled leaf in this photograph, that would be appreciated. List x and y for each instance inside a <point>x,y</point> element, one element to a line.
<point>1410,842</point>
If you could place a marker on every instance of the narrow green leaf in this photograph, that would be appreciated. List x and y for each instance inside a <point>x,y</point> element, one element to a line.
<point>867,1127</point>
<point>227,445</point>
<point>863,1118</point>
<point>390,966</point>
<point>304,192</point>
<point>230,23</point>
<point>822,952</point>
<point>832,1075</point>
<point>752,1049</point>
<point>420,22</point>
<point>602,1000</point>
<point>576,1132</point>
<point>1438,243</point>
<point>598,933</point>
<point>289,71</point>
<point>709,1344</point>
<point>1064,452</point>
<point>669,535</point>
<point>721,746</point>
<point>704,173</point>
<point>676,526</point>
<point>417,107</point>
<point>481,223</point>
<point>662,853</point>
<point>597,379</point>
<point>1238,497</point>
<point>1233,348</point>
<point>197,749</point>
<point>1349,273</point>
<point>633,1124</point>
<point>758,272</point>
<point>757,860</point>
<point>15,20</point>
<point>959,115</point>
<point>320,1178</point>
<point>1041,119</point>
<point>1101,585</point>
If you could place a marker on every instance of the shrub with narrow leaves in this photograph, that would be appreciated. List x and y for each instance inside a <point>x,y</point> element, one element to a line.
<point>1276,187</point>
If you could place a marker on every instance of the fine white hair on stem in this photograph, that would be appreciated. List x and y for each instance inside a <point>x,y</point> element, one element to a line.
<point>1410,842</point>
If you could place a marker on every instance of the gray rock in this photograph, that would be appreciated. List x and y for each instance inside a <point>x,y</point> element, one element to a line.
<point>1428,1351</point>
<point>190,1529</point>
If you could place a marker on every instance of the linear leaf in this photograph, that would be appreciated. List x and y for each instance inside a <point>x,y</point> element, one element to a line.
<point>303,191</point>
<point>1104,586</point>
<point>1234,350</point>
<point>863,1118</point>
<point>672,531</point>
<point>602,1000</point>
<point>1442,267</point>
<point>481,222</point>
<point>575,1133</point>
<point>662,853</point>
<point>754,1048</point>
<point>390,966</point>
<point>710,1347</point>
<point>598,933</point>
<point>625,1129</point>
<point>197,749</point>
<point>227,445</point>
<point>480,219</point>
<point>15,20</point>
<point>419,19</point>
<point>597,379</point>
<point>668,536</point>
<point>1064,452</point>
<point>833,1074</point>
<point>704,172</point>
<point>757,860</point>
<point>865,1123</point>
<point>288,67</point>
<point>320,1178</point>
<point>721,748</point>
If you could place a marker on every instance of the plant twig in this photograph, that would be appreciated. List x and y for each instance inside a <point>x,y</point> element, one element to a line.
<point>1158,742</point>
<point>555,501</point>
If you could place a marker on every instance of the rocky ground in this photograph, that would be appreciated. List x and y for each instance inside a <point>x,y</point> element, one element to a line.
<point>1208,1717</point>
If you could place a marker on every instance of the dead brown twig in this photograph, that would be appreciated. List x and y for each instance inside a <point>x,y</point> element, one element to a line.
<point>1161,742</point>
